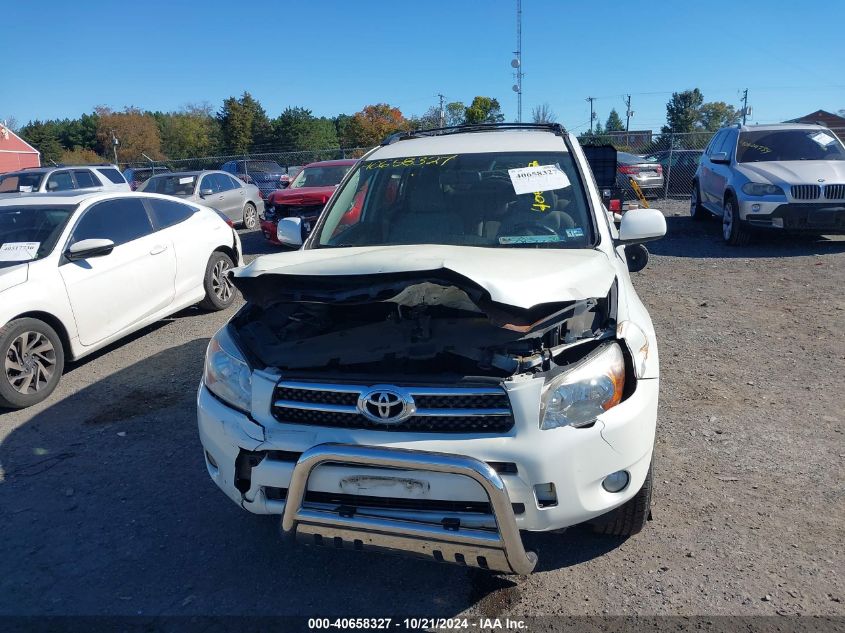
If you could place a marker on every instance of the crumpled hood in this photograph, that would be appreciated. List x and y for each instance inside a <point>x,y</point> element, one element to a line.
<point>519,277</point>
<point>303,196</point>
<point>13,275</point>
<point>795,172</point>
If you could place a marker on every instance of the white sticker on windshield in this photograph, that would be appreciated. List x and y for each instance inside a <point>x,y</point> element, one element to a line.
<point>25,188</point>
<point>537,178</point>
<point>186,181</point>
<point>823,139</point>
<point>18,251</point>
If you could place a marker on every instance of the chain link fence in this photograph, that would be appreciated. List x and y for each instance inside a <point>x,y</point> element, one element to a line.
<point>262,168</point>
<point>677,156</point>
<point>663,164</point>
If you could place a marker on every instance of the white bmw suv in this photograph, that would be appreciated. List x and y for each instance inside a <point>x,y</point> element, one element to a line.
<point>80,271</point>
<point>456,354</point>
<point>785,177</point>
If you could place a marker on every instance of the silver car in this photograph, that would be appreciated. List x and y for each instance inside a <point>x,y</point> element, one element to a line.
<point>785,177</point>
<point>645,171</point>
<point>237,200</point>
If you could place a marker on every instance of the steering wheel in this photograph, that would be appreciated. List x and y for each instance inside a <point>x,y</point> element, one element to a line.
<point>532,229</point>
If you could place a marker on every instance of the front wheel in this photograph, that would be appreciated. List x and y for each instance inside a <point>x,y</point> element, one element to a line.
<point>219,290</point>
<point>250,216</point>
<point>734,230</point>
<point>631,517</point>
<point>33,361</point>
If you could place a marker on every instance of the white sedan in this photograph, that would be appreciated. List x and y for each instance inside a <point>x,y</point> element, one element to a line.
<point>78,272</point>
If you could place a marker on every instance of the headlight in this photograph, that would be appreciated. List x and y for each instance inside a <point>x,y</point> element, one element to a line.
<point>226,373</point>
<point>760,189</point>
<point>578,396</point>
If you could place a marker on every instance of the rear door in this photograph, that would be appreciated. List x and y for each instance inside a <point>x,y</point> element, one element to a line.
<point>85,179</point>
<point>111,293</point>
<point>229,197</point>
<point>61,180</point>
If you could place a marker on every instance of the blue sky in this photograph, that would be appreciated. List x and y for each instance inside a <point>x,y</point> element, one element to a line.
<point>337,56</point>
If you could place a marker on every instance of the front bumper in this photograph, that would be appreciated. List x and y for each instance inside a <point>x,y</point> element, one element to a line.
<point>497,550</point>
<point>268,229</point>
<point>257,461</point>
<point>828,217</point>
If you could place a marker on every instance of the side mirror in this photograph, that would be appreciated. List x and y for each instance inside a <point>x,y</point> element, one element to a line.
<point>720,158</point>
<point>289,231</point>
<point>205,192</point>
<point>636,255</point>
<point>89,248</point>
<point>641,225</point>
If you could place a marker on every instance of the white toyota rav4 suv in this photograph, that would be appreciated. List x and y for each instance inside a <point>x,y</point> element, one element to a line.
<point>456,354</point>
<point>80,271</point>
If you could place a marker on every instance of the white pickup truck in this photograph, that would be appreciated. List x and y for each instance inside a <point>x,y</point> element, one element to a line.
<point>455,354</point>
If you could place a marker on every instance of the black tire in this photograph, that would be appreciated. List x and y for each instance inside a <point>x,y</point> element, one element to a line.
<point>250,216</point>
<point>696,210</point>
<point>734,230</point>
<point>630,518</point>
<point>219,291</point>
<point>32,362</point>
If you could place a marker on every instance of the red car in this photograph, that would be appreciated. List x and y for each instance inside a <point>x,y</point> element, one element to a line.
<point>305,197</point>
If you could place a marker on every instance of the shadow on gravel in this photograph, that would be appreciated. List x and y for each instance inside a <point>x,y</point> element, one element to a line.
<point>107,509</point>
<point>686,237</point>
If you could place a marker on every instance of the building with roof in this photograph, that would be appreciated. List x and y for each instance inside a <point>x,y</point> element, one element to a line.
<point>16,153</point>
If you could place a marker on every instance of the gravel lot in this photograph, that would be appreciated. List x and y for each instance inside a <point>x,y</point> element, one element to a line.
<point>107,509</point>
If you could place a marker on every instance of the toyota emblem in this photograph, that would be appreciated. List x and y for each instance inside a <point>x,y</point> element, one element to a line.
<point>386,405</point>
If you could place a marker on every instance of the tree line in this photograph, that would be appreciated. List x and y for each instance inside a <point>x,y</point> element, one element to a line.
<point>240,126</point>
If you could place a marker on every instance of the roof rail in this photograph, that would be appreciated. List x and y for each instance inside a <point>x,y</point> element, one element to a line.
<point>557,128</point>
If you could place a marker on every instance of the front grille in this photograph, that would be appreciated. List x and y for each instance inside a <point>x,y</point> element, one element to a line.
<point>431,410</point>
<point>806,192</point>
<point>834,192</point>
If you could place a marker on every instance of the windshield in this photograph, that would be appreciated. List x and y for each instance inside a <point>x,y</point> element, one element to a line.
<point>264,166</point>
<point>13,183</point>
<point>30,232</point>
<point>493,199</point>
<point>320,176</point>
<point>776,145</point>
<point>174,185</point>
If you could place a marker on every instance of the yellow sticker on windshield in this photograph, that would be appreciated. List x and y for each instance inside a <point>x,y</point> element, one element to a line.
<point>410,161</point>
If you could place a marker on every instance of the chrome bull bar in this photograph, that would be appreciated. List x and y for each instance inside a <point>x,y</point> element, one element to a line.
<point>500,550</point>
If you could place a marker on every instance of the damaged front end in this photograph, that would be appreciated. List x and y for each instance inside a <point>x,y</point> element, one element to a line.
<point>415,324</point>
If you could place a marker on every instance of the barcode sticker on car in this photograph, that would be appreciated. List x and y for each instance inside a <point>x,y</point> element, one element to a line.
<point>823,139</point>
<point>18,251</point>
<point>186,181</point>
<point>537,178</point>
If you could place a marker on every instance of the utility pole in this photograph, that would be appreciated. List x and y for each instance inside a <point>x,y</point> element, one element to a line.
<point>114,144</point>
<point>744,105</point>
<point>628,115</point>
<point>516,62</point>
<point>592,116</point>
<point>442,111</point>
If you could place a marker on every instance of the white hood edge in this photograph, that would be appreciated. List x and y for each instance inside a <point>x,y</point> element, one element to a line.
<point>520,277</point>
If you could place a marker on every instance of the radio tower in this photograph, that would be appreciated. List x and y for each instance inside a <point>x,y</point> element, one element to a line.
<point>516,62</point>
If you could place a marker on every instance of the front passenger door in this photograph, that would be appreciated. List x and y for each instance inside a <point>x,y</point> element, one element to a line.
<point>111,293</point>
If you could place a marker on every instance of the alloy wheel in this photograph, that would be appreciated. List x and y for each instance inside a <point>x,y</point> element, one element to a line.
<point>250,217</point>
<point>30,362</point>
<point>220,282</point>
<point>727,219</point>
